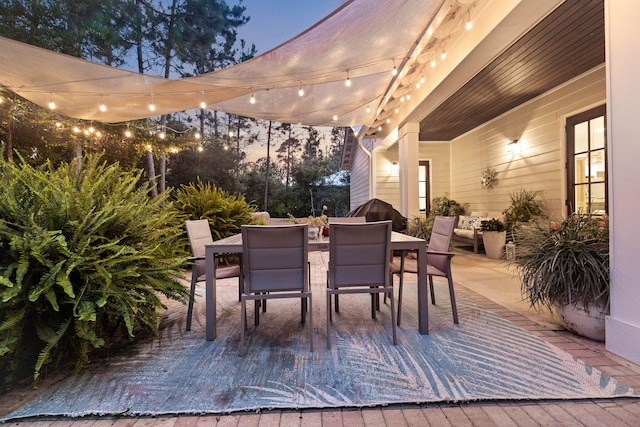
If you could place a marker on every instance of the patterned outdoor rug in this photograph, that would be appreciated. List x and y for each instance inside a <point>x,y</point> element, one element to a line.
<point>483,358</point>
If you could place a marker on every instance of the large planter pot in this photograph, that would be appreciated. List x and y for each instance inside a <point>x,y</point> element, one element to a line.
<point>575,318</point>
<point>494,242</point>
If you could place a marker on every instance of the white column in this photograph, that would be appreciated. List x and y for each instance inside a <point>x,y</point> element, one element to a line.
<point>408,156</point>
<point>623,135</point>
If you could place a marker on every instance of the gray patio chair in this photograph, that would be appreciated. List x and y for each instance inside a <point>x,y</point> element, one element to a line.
<point>359,258</point>
<point>275,265</point>
<point>438,262</point>
<point>199,235</point>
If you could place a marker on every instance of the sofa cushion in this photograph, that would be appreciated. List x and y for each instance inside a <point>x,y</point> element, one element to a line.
<point>467,234</point>
<point>468,222</point>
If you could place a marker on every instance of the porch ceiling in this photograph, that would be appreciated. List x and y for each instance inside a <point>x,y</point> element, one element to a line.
<point>567,43</point>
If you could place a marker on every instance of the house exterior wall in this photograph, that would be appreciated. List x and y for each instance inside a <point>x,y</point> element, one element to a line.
<point>359,191</point>
<point>540,165</point>
<point>439,155</point>
<point>387,183</point>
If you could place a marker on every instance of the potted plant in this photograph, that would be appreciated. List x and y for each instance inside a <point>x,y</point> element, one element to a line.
<point>565,267</point>
<point>525,206</point>
<point>494,236</point>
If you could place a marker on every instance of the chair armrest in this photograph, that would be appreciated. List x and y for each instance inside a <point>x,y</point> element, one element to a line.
<point>195,258</point>
<point>448,254</point>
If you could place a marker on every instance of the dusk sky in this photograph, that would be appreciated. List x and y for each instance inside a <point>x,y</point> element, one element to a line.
<point>275,21</point>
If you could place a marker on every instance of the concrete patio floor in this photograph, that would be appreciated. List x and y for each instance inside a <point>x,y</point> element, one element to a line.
<point>491,284</point>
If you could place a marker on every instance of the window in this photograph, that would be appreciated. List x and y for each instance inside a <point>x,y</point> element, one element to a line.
<point>587,162</point>
<point>424,199</point>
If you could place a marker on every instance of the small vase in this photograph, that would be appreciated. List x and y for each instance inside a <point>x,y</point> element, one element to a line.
<point>314,232</point>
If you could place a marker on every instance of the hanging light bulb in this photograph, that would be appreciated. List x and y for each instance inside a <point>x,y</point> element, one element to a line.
<point>368,109</point>
<point>98,134</point>
<point>301,91</point>
<point>394,71</point>
<point>201,148</point>
<point>421,80</point>
<point>469,24</point>
<point>408,96</point>
<point>347,82</point>
<point>433,63</point>
<point>418,85</point>
<point>388,120</point>
<point>128,134</point>
<point>76,129</point>
<point>402,98</point>
<point>443,55</point>
<point>252,100</point>
<point>52,105</point>
<point>335,117</point>
<point>197,135</point>
<point>161,135</point>
<point>203,104</point>
<point>152,106</point>
<point>379,127</point>
<point>103,107</point>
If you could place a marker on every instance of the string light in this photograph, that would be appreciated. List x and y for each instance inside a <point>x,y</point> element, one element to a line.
<point>152,106</point>
<point>335,117</point>
<point>469,24</point>
<point>103,107</point>
<point>128,134</point>
<point>394,71</point>
<point>433,63</point>
<point>443,55</point>
<point>347,82</point>
<point>197,135</point>
<point>379,128</point>
<point>252,100</point>
<point>203,104</point>
<point>300,90</point>
<point>201,148</point>
<point>52,105</point>
<point>368,109</point>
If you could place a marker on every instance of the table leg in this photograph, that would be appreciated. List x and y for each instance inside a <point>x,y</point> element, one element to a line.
<point>210,294</point>
<point>423,293</point>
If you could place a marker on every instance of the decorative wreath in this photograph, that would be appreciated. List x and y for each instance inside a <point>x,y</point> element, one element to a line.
<point>489,178</point>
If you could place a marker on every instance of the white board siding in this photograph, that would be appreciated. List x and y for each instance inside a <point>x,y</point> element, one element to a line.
<point>359,177</point>
<point>387,185</point>
<point>439,155</point>
<point>539,126</point>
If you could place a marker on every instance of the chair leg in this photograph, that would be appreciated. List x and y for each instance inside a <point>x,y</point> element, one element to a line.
<point>337,306</point>
<point>433,294</point>
<point>310,324</point>
<point>400,297</point>
<point>452,295</point>
<point>393,320</point>
<point>303,309</point>
<point>243,324</point>
<point>194,279</point>
<point>373,304</point>
<point>328,319</point>
<point>256,316</point>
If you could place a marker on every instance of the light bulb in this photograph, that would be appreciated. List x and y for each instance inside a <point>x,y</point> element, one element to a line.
<point>469,25</point>
<point>408,96</point>
<point>252,99</point>
<point>98,134</point>
<point>368,109</point>
<point>152,106</point>
<point>203,104</point>
<point>443,55</point>
<point>379,127</point>
<point>197,135</point>
<point>301,91</point>
<point>433,63</point>
<point>52,105</point>
<point>418,85</point>
<point>388,120</point>
<point>76,129</point>
<point>421,80</point>
<point>161,135</point>
<point>201,148</point>
<point>347,82</point>
<point>335,117</point>
<point>394,71</point>
<point>103,107</point>
<point>127,133</point>
<point>402,98</point>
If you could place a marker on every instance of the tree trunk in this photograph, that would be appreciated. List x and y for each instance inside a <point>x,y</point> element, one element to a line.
<point>266,178</point>
<point>163,172</point>
<point>152,174</point>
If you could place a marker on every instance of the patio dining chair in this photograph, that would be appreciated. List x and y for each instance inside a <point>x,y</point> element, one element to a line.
<point>275,265</point>
<point>199,234</point>
<point>438,262</point>
<point>359,255</point>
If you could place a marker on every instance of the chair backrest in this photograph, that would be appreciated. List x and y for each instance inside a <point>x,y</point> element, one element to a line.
<point>275,258</point>
<point>199,235</point>
<point>359,254</point>
<point>346,219</point>
<point>440,240</point>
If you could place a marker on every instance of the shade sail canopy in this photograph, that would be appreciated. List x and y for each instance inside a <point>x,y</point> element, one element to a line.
<point>362,41</point>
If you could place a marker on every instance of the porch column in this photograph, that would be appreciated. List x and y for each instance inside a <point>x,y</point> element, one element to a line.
<point>408,159</point>
<point>623,136</point>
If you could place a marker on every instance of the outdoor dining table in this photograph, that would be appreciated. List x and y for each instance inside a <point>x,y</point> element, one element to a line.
<point>233,244</point>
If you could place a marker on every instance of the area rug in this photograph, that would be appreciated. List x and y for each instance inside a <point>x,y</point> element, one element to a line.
<point>485,357</point>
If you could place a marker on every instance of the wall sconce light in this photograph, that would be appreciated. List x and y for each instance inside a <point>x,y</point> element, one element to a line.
<point>395,168</point>
<point>513,146</point>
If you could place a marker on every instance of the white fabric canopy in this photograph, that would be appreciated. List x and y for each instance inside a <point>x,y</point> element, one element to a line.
<point>362,40</point>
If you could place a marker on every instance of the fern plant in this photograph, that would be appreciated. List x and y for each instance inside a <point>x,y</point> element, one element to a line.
<point>226,212</point>
<point>85,254</point>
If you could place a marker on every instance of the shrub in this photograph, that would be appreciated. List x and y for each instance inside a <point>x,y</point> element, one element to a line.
<point>422,225</point>
<point>85,255</point>
<point>492,224</point>
<point>226,212</point>
<point>565,263</point>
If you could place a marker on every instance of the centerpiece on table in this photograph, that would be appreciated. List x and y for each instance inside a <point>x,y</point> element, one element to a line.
<point>565,267</point>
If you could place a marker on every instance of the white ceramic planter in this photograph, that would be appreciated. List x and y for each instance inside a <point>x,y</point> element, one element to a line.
<point>494,242</point>
<point>587,324</point>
